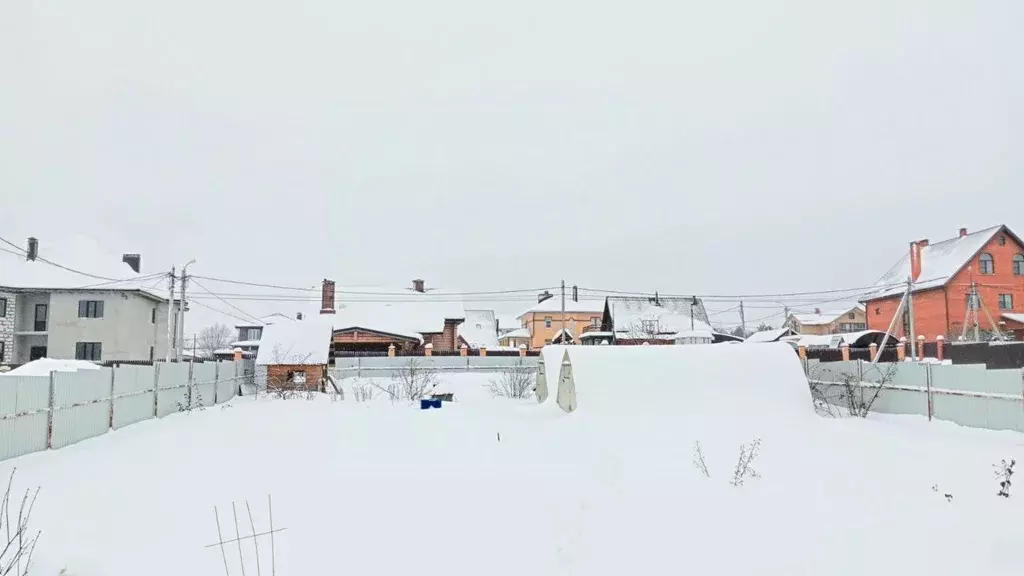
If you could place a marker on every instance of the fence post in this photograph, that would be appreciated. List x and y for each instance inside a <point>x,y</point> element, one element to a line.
<point>216,380</point>
<point>872,351</point>
<point>156,389</point>
<point>920,348</point>
<point>113,375</point>
<point>941,343</point>
<point>901,349</point>
<point>52,412</point>
<point>928,386</point>
<point>844,348</point>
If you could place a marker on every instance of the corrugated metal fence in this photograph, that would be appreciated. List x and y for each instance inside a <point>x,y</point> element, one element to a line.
<point>967,394</point>
<point>40,412</point>
<point>390,367</point>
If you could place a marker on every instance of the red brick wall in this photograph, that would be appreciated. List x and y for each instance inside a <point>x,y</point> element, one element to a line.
<point>930,307</point>
<point>277,376</point>
<point>990,286</point>
<point>929,314</point>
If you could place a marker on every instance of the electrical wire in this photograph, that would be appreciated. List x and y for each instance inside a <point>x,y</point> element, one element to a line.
<point>407,293</point>
<point>235,316</point>
<point>62,267</point>
<point>197,283</point>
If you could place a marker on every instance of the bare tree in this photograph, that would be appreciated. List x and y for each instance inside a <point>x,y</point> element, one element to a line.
<point>644,329</point>
<point>514,381</point>
<point>764,326</point>
<point>17,542</point>
<point>698,460</point>
<point>213,338</point>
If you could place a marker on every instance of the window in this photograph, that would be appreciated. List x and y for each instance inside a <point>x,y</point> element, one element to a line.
<point>851,316</point>
<point>152,316</point>
<point>3,307</point>
<point>2,350</point>
<point>852,327</point>
<point>40,319</point>
<point>595,321</point>
<point>1006,301</point>
<point>878,311</point>
<point>90,308</point>
<point>985,264</point>
<point>254,334</point>
<point>1018,266</point>
<point>1002,240</point>
<point>89,351</point>
<point>547,321</point>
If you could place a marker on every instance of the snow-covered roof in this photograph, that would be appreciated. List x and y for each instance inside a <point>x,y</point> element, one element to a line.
<point>480,329</point>
<point>411,316</point>
<point>554,304</point>
<point>1015,317</point>
<point>43,366</point>
<point>517,333</point>
<point>299,343</point>
<point>768,335</point>
<point>939,263</point>
<point>694,334</point>
<point>823,317</point>
<point>80,253</point>
<point>246,344</point>
<point>563,332</point>
<point>668,316</point>
<point>829,340</point>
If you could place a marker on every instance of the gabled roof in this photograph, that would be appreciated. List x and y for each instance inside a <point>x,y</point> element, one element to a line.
<point>554,304</point>
<point>50,271</point>
<point>480,329</point>
<point>306,343</point>
<point>517,333</point>
<point>410,316</point>
<point>769,335</point>
<point>940,262</point>
<point>824,317</point>
<point>669,315</point>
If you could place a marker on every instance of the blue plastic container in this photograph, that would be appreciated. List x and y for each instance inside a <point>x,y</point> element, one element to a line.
<point>426,403</point>
<point>436,402</point>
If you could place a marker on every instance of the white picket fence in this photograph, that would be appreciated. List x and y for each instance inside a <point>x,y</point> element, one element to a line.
<point>53,411</point>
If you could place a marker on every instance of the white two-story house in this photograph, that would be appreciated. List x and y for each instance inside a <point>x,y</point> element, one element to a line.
<point>70,299</point>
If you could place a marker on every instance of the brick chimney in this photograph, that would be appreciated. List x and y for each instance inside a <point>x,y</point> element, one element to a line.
<point>922,242</point>
<point>419,286</point>
<point>33,249</point>
<point>545,295</point>
<point>327,297</point>
<point>133,260</point>
<point>963,232</point>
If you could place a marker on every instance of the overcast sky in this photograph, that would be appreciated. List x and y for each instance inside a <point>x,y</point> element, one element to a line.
<point>685,146</point>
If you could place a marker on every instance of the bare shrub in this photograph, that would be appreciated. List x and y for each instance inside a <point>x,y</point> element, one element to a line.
<point>1004,472</point>
<point>847,394</point>
<point>413,382</point>
<point>362,392</point>
<point>698,460</point>
<point>17,542</point>
<point>744,465</point>
<point>514,382</point>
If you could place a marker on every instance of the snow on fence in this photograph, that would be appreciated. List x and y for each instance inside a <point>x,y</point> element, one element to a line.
<point>385,367</point>
<point>40,412</point>
<point>967,394</point>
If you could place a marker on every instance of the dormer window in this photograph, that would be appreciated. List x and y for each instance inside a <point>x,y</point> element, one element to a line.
<point>985,264</point>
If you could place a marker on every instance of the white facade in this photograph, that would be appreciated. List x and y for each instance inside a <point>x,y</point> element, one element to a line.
<point>133,325</point>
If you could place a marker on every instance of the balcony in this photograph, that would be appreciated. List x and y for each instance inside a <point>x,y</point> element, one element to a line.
<point>591,328</point>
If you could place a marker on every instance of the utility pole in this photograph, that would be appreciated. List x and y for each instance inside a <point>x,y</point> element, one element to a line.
<point>693,303</point>
<point>785,316</point>
<point>181,310</point>
<point>743,320</point>
<point>563,311</point>
<point>170,315</point>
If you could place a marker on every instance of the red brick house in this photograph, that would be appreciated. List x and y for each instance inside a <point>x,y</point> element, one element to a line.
<point>993,259</point>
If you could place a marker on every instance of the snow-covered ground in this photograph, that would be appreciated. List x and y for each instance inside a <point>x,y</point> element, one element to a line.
<point>382,488</point>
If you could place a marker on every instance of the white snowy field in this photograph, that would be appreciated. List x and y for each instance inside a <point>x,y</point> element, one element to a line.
<point>380,488</point>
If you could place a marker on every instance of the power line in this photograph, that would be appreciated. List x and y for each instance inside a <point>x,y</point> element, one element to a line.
<point>864,291</point>
<point>62,267</point>
<point>407,293</point>
<point>218,310</point>
<point>205,289</point>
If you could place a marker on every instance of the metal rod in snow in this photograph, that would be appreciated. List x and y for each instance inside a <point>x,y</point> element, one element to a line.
<point>255,540</point>
<point>238,538</point>
<point>220,539</point>
<point>910,315</point>
<point>273,560</point>
<point>892,325</point>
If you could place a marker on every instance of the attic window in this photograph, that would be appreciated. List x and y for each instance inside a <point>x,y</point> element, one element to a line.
<point>878,311</point>
<point>985,264</point>
<point>1002,240</point>
<point>850,316</point>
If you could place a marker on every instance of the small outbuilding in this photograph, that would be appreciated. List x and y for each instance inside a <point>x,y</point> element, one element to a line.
<point>296,354</point>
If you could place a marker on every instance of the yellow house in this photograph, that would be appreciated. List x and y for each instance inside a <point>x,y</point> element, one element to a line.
<point>544,320</point>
